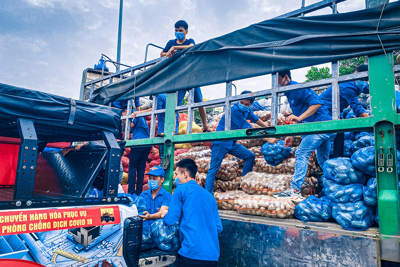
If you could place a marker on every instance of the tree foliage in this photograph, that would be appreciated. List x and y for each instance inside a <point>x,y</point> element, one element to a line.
<point>315,74</point>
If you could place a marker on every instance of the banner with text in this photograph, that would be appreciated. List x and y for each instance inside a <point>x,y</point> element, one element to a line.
<point>30,221</point>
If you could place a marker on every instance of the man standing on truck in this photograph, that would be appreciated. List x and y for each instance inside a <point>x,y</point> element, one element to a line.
<point>138,156</point>
<point>349,96</point>
<point>240,113</point>
<point>306,107</point>
<point>157,198</point>
<point>170,49</point>
<point>197,212</point>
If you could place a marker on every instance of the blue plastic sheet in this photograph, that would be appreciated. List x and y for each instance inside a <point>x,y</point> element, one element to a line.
<point>165,237</point>
<point>370,192</point>
<point>364,160</point>
<point>356,216</point>
<point>342,171</point>
<point>361,134</point>
<point>364,141</point>
<point>342,193</point>
<point>349,136</point>
<point>275,153</point>
<point>347,148</point>
<point>314,209</point>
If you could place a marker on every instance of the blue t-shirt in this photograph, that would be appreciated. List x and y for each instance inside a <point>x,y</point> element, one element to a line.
<point>196,210</point>
<point>349,93</point>
<point>140,129</point>
<point>301,100</point>
<point>163,198</point>
<point>238,121</point>
<point>172,43</point>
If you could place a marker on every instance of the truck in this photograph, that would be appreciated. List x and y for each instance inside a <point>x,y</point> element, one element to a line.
<point>49,197</point>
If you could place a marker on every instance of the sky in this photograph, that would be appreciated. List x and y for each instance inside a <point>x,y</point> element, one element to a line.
<point>46,45</point>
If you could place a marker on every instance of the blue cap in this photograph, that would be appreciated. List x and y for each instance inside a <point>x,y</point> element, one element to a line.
<point>156,171</point>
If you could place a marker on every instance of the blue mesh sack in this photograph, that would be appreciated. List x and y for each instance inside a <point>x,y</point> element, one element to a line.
<point>349,136</point>
<point>361,134</point>
<point>347,148</point>
<point>165,237</point>
<point>350,115</point>
<point>376,215</point>
<point>364,141</point>
<point>356,216</point>
<point>342,193</point>
<point>314,209</point>
<point>364,160</point>
<point>370,192</point>
<point>342,171</point>
<point>275,153</point>
<point>147,242</point>
<point>136,200</point>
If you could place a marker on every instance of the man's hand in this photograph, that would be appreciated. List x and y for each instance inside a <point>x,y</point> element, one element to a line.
<point>293,118</point>
<point>133,115</point>
<point>66,150</point>
<point>146,216</point>
<point>163,213</point>
<point>288,141</point>
<point>208,129</point>
<point>171,52</point>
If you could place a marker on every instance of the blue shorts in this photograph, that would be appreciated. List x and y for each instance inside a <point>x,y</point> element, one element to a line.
<point>198,96</point>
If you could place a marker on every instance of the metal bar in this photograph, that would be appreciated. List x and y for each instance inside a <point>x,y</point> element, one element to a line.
<point>153,118</point>
<point>148,113</point>
<point>303,4</point>
<point>310,8</point>
<point>274,100</point>
<point>383,109</point>
<point>334,7</point>
<point>360,124</point>
<point>26,165</point>
<point>147,50</point>
<point>137,67</point>
<point>335,92</point>
<point>127,120</point>
<point>227,106</point>
<point>111,180</point>
<point>170,123</point>
<point>121,5</point>
<point>190,111</point>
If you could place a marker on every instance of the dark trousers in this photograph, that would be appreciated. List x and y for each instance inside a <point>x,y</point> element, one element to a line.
<point>338,146</point>
<point>186,262</point>
<point>137,163</point>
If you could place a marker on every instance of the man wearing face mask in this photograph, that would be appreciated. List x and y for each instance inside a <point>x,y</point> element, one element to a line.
<point>306,107</point>
<point>197,212</point>
<point>349,96</point>
<point>171,48</point>
<point>157,198</point>
<point>240,113</point>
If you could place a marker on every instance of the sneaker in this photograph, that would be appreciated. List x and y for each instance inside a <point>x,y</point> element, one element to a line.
<point>290,193</point>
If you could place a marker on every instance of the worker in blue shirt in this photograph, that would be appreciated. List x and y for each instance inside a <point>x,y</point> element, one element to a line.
<point>197,212</point>
<point>138,156</point>
<point>170,49</point>
<point>349,96</point>
<point>161,104</point>
<point>306,107</point>
<point>157,198</point>
<point>240,113</point>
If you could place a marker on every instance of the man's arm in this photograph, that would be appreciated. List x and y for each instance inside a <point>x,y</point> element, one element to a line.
<point>309,112</point>
<point>173,49</point>
<point>261,123</point>
<point>147,216</point>
<point>174,213</point>
<point>133,115</point>
<point>352,99</point>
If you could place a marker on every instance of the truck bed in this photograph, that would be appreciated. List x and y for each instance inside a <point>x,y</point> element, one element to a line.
<point>327,227</point>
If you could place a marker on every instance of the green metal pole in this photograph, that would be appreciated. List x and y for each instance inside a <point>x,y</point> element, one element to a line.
<point>383,109</point>
<point>169,146</point>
